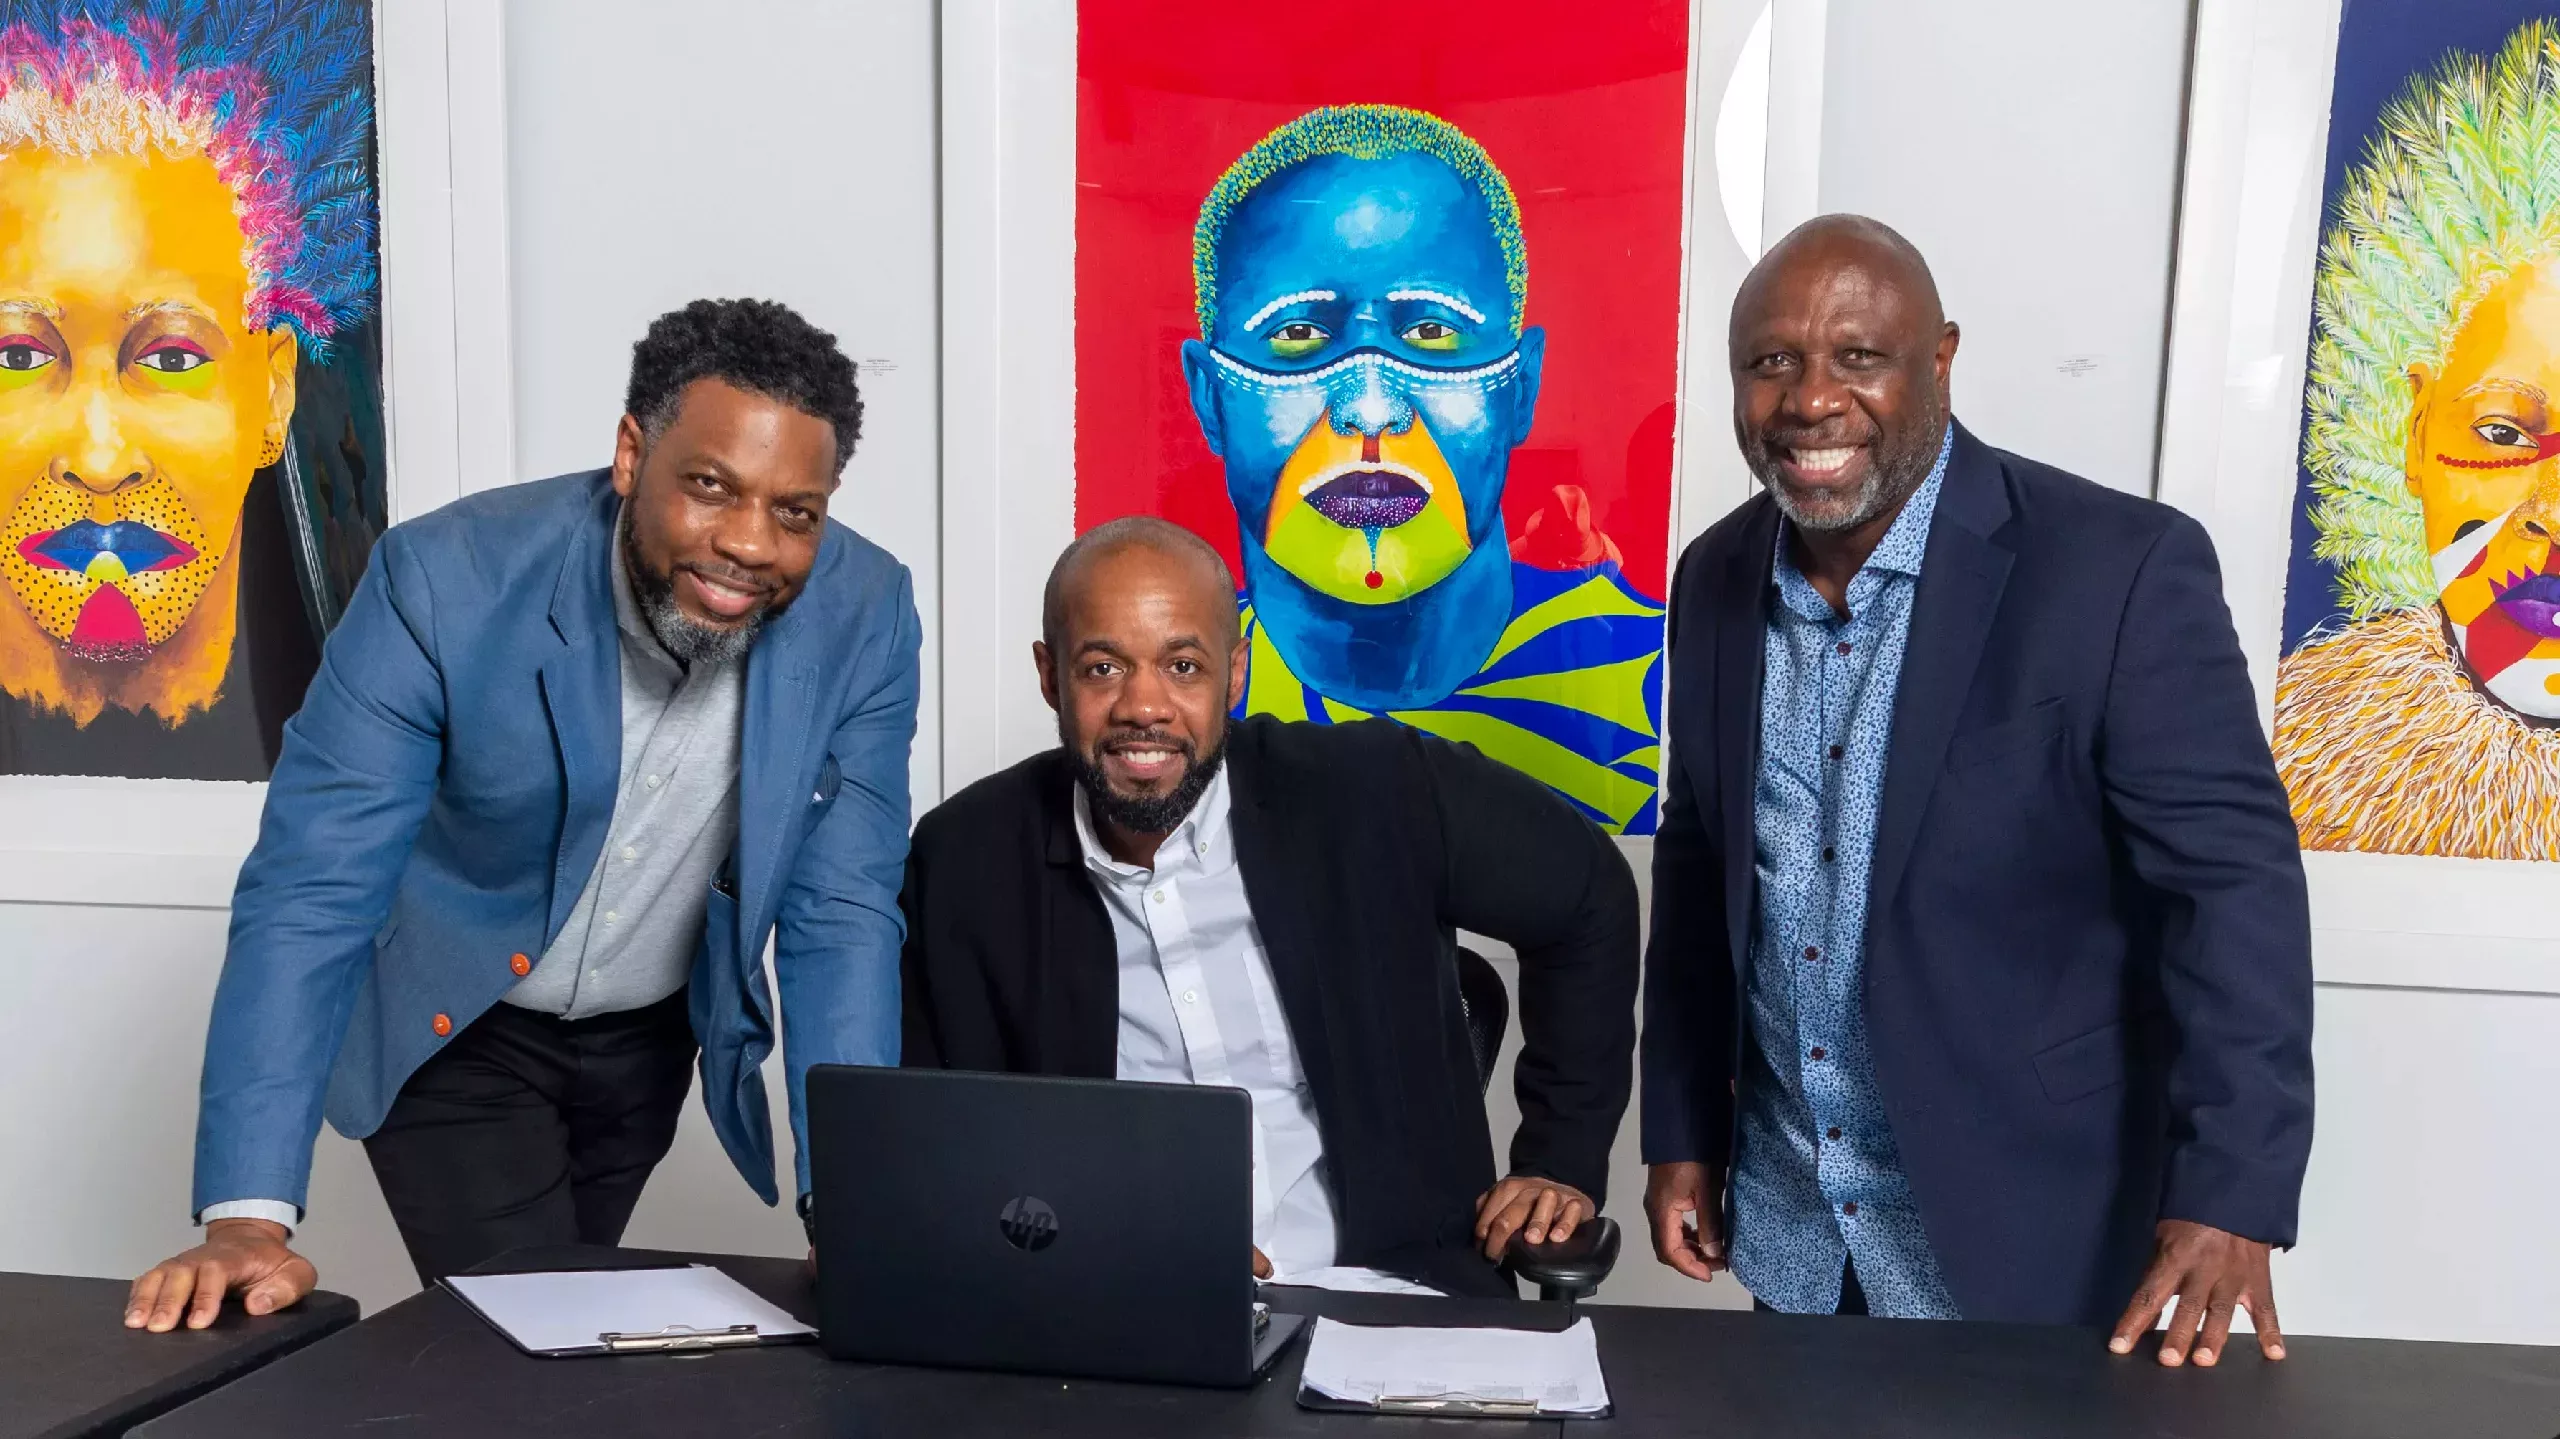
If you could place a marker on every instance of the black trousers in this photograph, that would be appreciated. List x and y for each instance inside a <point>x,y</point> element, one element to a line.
<point>531,1129</point>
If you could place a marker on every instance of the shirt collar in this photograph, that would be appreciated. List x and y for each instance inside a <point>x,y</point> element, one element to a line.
<point>1906,540</point>
<point>1201,832</point>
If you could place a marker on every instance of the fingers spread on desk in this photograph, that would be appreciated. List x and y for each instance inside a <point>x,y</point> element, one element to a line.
<point>2184,1321</point>
<point>2262,1317</point>
<point>2218,1309</point>
<point>146,1292</point>
<point>2159,1284</point>
<point>211,1281</point>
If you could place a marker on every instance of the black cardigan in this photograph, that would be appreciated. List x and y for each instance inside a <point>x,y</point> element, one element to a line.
<point>1364,847</point>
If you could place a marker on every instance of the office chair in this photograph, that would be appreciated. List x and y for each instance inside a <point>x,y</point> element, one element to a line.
<point>1566,1271</point>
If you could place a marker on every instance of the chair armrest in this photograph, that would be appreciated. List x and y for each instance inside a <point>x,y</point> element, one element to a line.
<point>1570,1269</point>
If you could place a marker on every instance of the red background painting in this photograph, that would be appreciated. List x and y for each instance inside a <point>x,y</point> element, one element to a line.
<point>1580,106</point>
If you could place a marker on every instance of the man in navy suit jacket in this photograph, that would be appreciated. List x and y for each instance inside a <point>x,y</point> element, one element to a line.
<point>1980,978</point>
<point>576,749</point>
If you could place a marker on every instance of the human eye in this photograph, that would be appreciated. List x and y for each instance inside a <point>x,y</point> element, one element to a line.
<point>23,358</point>
<point>797,518</point>
<point>1298,339</point>
<point>2496,432</point>
<point>173,356</point>
<point>1431,335</point>
<point>1185,667</point>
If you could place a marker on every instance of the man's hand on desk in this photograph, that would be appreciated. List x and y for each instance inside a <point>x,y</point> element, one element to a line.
<point>1261,1263</point>
<point>2210,1272</point>
<point>248,1256</point>
<point>1539,1210</point>
<point>1685,1205</point>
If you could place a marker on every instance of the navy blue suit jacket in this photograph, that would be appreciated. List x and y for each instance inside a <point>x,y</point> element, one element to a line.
<point>2088,974</point>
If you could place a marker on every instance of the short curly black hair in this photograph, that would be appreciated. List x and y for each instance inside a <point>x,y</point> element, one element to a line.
<point>759,346</point>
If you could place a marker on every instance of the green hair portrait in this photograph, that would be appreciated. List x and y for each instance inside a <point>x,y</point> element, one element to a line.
<point>1361,132</point>
<point>2459,187</point>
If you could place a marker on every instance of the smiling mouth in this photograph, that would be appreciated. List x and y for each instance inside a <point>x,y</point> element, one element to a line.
<point>1146,759</point>
<point>105,553</point>
<point>1369,499</point>
<point>726,598</point>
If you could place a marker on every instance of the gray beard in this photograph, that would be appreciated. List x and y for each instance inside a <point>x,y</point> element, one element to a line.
<point>692,644</point>
<point>1892,478</point>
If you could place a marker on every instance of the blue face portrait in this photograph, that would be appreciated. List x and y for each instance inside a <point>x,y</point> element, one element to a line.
<point>1364,380</point>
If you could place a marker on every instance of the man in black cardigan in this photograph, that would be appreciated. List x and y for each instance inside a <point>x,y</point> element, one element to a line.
<point>1173,896</point>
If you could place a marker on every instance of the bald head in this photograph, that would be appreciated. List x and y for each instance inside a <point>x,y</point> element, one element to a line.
<point>1842,362</point>
<point>1163,539</point>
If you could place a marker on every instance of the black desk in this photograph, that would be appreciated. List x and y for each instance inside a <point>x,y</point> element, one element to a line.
<point>68,1366</point>
<point>426,1367</point>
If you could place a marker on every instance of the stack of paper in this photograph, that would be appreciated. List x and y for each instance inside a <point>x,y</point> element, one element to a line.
<point>572,1312</point>
<point>1361,1364</point>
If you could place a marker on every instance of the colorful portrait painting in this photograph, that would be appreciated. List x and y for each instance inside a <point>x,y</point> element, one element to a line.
<point>191,441</point>
<point>2418,699</point>
<point>1384,302</point>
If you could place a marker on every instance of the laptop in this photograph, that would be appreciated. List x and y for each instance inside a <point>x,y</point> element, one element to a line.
<point>1096,1228</point>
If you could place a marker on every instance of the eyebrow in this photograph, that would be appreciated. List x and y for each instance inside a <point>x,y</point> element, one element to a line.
<point>2525,388</point>
<point>167,307</point>
<point>46,308</point>
<point>1439,297</point>
<point>1284,302</point>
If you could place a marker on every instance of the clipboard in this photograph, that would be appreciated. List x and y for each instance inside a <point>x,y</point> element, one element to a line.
<point>577,1313</point>
<point>1446,1406</point>
<point>1468,1372</point>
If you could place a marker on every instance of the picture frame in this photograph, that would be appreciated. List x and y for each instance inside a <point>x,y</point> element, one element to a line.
<point>2250,227</point>
<point>440,96</point>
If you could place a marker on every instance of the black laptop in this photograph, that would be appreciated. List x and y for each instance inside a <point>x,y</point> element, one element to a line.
<point>1085,1227</point>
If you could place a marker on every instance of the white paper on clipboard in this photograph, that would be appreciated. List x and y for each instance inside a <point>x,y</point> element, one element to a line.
<point>570,1312</point>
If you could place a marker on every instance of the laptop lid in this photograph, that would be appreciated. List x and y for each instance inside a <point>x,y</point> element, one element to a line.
<point>1099,1228</point>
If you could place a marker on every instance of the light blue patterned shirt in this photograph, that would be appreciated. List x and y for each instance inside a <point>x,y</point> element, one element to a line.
<point>1816,1178</point>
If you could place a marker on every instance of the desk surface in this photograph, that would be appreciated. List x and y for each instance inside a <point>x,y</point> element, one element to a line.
<point>68,1366</point>
<point>428,1367</point>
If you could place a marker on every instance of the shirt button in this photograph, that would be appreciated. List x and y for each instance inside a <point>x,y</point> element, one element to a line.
<point>1812,953</point>
<point>610,916</point>
<point>1836,752</point>
<point>653,781</point>
<point>1850,1209</point>
<point>1832,1133</point>
<point>520,965</point>
<point>629,853</point>
<point>1191,996</point>
<point>443,1025</point>
<point>1817,1051</point>
<point>1844,647</point>
<point>1159,896</point>
<point>1827,854</point>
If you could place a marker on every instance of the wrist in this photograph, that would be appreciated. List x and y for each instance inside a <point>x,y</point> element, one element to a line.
<point>266,1229</point>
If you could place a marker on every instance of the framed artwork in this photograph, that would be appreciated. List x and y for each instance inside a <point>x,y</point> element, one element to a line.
<point>1402,340</point>
<point>209,278</point>
<point>2365,341</point>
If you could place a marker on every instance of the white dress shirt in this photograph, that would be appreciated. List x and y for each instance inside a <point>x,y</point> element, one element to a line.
<point>1197,1006</point>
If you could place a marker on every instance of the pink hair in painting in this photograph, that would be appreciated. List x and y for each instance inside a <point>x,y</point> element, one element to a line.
<point>276,93</point>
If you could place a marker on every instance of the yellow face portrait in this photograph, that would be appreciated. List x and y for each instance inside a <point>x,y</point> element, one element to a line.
<point>135,407</point>
<point>2484,461</point>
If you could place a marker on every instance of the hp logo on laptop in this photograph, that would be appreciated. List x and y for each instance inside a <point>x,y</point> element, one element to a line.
<point>1029,1224</point>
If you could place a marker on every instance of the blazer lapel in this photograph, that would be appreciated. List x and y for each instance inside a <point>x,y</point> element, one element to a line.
<point>1076,968</point>
<point>773,751</point>
<point>1742,622</point>
<point>1962,575</point>
<point>582,692</point>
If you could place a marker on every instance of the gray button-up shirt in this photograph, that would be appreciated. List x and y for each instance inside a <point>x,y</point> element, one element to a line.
<point>631,939</point>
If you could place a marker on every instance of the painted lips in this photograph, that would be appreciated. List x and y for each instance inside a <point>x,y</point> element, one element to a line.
<point>1369,499</point>
<point>109,629</point>
<point>2533,602</point>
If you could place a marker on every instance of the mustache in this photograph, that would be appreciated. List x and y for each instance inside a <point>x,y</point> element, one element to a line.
<point>1816,437</point>
<point>730,576</point>
<point>1146,739</point>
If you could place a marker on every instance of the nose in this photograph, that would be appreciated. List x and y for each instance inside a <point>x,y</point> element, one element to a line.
<point>99,458</point>
<point>1143,702</point>
<point>745,536</point>
<point>2538,518</point>
<point>1370,409</point>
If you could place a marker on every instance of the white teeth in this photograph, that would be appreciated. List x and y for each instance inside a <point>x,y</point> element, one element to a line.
<point>1822,462</point>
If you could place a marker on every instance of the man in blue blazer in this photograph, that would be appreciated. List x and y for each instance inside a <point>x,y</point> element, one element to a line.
<point>576,749</point>
<point>1980,980</point>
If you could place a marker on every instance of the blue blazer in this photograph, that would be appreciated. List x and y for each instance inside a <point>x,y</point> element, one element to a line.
<point>2088,973</point>
<point>443,794</point>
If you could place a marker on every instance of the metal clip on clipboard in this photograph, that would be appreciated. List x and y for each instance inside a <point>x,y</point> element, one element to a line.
<point>678,1337</point>
<point>1450,1406</point>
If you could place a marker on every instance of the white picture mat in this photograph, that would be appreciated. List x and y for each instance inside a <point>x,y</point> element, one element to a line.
<point>2231,435</point>
<point>440,116</point>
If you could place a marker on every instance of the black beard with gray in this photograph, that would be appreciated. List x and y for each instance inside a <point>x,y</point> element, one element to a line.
<point>1900,465</point>
<point>691,644</point>
<point>1151,814</point>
